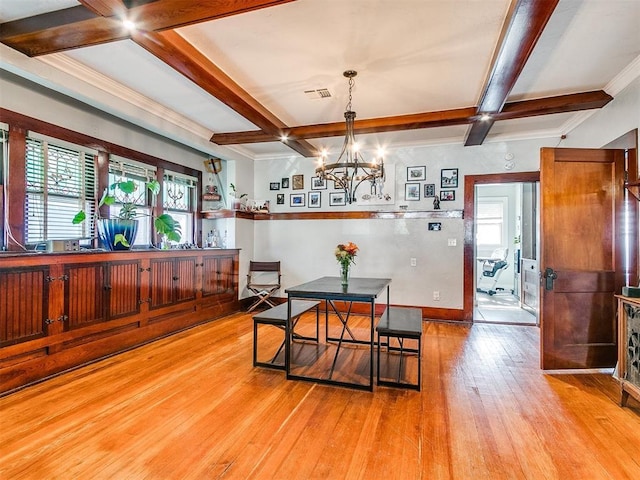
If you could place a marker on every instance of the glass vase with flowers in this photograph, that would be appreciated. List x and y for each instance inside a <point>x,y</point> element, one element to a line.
<point>345,254</point>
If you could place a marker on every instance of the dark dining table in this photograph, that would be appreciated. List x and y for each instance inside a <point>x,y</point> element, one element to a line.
<point>330,290</point>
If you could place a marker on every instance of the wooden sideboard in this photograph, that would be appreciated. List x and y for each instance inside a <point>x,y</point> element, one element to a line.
<point>58,311</point>
<point>628,370</point>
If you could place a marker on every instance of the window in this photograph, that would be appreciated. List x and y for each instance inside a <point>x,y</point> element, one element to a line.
<point>60,181</point>
<point>121,170</point>
<point>179,200</point>
<point>490,227</point>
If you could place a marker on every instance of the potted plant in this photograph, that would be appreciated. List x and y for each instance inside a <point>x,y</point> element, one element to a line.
<point>236,199</point>
<point>119,233</point>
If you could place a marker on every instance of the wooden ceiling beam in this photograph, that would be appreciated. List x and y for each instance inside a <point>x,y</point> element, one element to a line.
<point>100,21</point>
<point>374,125</point>
<point>523,26</point>
<point>175,51</point>
<point>525,108</point>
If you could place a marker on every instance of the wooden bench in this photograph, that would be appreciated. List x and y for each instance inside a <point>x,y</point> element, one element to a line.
<point>401,323</point>
<point>277,316</point>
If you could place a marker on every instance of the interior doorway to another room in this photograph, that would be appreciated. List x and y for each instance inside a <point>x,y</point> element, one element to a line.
<point>506,252</point>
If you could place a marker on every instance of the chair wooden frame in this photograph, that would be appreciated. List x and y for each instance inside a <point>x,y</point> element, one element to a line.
<point>263,290</point>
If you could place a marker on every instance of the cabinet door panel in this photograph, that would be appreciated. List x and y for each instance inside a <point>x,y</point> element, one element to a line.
<point>84,295</point>
<point>218,276</point>
<point>124,288</point>
<point>23,304</point>
<point>185,279</point>
<point>161,282</point>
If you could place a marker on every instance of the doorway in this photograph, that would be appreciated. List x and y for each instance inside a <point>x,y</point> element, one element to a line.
<point>503,306</point>
<point>506,253</point>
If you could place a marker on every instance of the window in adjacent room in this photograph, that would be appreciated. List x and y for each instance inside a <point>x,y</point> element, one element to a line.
<point>60,181</point>
<point>491,214</point>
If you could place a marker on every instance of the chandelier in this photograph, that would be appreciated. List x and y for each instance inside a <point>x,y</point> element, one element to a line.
<point>350,170</point>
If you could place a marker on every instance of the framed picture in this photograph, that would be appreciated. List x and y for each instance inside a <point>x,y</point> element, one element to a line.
<point>284,183</point>
<point>314,199</point>
<point>449,178</point>
<point>337,199</point>
<point>274,186</point>
<point>296,199</point>
<point>429,190</point>
<point>416,174</point>
<point>280,199</point>
<point>447,195</point>
<point>435,226</point>
<point>318,183</point>
<point>297,182</point>
<point>412,191</point>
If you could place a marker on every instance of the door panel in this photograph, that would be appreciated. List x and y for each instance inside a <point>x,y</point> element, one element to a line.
<point>582,193</point>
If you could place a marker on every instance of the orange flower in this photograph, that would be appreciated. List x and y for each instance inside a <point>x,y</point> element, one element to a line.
<point>345,253</point>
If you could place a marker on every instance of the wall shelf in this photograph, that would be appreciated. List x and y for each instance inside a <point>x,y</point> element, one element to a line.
<point>351,215</point>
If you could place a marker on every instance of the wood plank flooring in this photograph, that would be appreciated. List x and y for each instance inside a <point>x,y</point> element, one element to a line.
<point>191,406</point>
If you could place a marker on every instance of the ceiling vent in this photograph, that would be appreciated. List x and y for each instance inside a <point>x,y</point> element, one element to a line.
<point>315,94</point>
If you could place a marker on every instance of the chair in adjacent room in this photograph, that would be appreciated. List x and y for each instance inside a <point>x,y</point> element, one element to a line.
<point>263,279</point>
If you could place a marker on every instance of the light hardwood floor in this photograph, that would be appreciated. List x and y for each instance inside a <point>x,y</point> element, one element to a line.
<point>191,406</point>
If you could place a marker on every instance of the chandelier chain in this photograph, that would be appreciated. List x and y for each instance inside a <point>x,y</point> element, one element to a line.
<point>351,83</point>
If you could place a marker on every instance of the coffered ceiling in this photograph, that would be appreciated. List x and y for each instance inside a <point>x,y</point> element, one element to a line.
<point>240,74</point>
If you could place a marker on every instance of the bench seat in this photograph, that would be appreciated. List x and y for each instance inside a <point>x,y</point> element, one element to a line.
<point>401,323</point>
<point>277,316</point>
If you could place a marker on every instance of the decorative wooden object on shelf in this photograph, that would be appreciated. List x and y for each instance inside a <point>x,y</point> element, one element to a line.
<point>212,197</point>
<point>88,305</point>
<point>628,370</point>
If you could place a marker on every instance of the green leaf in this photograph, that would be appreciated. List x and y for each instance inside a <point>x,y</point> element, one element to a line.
<point>154,187</point>
<point>127,187</point>
<point>167,226</point>
<point>120,238</point>
<point>79,218</point>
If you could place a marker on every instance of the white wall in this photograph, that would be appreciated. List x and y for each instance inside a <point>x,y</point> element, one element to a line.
<point>386,246</point>
<point>620,116</point>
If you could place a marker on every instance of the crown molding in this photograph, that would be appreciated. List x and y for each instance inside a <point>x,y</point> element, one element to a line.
<point>126,94</point>
<point>624,78</point>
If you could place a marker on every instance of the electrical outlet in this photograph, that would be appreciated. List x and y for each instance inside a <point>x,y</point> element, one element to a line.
<point>452,242</point>
<point>436,295</point>
<point>414,262</point>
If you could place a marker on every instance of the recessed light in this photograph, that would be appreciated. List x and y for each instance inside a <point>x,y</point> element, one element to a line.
<point>128,24</point>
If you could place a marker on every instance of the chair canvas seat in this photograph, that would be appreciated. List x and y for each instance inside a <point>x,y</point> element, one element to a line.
<point>263,280</point>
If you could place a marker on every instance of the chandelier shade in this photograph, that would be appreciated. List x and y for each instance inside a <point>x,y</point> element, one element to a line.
<point>350,170</point>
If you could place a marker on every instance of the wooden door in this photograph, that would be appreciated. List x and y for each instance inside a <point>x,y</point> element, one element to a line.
<point>162,283</point>
<point>123,288</point>
<point>581,256</point>
<point>84,295</point>
<point>23,304</point>
<point>218,276</point>
<point>185,279</point>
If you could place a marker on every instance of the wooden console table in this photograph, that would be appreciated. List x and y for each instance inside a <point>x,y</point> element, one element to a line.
<point>628,347</point>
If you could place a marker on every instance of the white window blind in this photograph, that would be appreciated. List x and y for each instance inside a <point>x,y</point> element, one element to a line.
<point>60,181</point>
<point>490,222</point>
